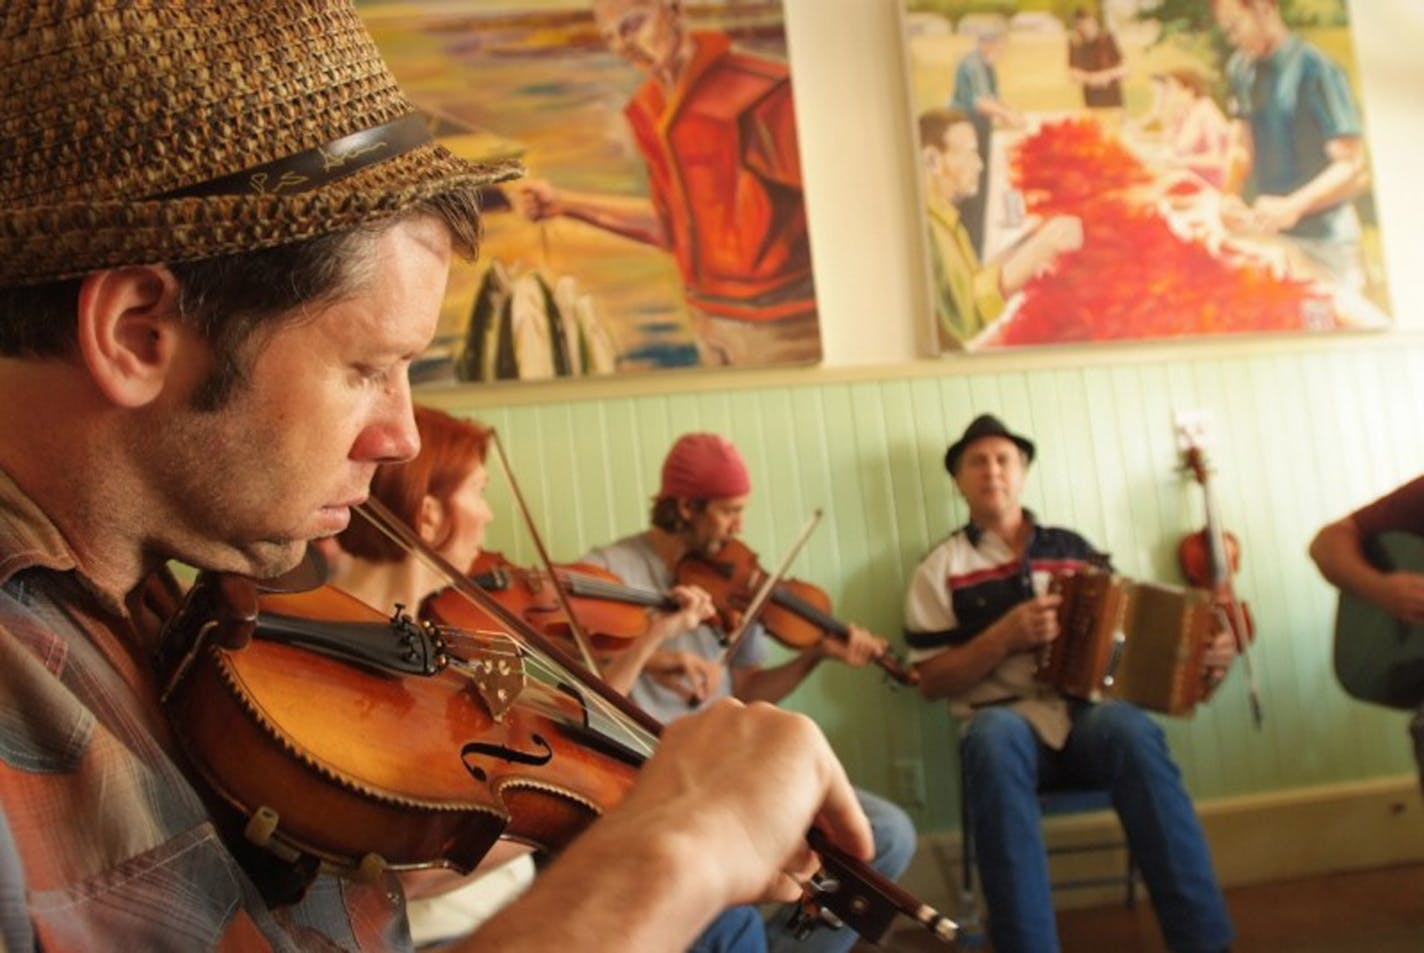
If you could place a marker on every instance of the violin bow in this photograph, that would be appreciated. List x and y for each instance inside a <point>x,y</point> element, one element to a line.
<point>1243,646</point>
<point>580,637</point>
<point>381,517</point>
<point>767,587</point>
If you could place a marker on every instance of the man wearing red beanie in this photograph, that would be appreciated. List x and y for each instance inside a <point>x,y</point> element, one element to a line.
<point>704,492</point>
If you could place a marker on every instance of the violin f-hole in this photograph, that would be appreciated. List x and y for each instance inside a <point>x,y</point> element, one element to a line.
<point>504,753</point>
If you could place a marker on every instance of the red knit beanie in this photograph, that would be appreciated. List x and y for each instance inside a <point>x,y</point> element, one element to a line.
<point>704,466</point>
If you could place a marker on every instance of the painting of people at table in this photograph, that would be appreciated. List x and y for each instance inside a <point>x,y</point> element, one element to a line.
<point>1211,156</point>
<point>661,222</point>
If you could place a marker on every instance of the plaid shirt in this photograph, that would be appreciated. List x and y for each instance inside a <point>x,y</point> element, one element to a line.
<point>104,842</point>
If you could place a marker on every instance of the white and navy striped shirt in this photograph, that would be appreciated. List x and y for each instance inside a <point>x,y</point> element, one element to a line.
<point>966,584</point>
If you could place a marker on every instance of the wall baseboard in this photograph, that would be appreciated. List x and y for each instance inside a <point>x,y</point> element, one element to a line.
<point>1258,838</point>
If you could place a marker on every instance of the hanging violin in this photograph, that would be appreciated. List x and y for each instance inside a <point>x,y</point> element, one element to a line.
<point>797,613</point>
<point>353,743</point>
<point>1210,557</point>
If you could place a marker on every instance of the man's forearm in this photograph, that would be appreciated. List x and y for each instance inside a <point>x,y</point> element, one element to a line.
<point>614,889</point>
<point>773,684</point>
<point>1338,552</point>
<point>631,218</point>
<point>956,671</point>
<point>1341,180</point>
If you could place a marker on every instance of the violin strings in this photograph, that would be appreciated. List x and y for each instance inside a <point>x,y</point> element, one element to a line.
<point>547,670</point>
<point>397,532</point>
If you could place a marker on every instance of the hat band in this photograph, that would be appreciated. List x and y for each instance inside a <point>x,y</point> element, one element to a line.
<point>318,167</point>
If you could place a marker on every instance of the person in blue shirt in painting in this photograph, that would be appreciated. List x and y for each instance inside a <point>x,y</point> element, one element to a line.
<point>976,94</point>
<point>1304,136</point>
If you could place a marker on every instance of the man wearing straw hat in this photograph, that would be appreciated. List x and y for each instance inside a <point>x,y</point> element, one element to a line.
<point>223,238</point>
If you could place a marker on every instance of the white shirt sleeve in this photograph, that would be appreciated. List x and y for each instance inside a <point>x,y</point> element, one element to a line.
<point>928,607</point>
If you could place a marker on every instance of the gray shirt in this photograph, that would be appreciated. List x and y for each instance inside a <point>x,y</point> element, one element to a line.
<point>638,564</point>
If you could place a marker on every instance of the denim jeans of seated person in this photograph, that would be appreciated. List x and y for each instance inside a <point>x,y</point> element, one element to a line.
<point>1112,745</point>
<point>736,930</point>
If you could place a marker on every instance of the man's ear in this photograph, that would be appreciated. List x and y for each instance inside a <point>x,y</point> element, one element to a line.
<point>933,158</point>
<point>128,331</point>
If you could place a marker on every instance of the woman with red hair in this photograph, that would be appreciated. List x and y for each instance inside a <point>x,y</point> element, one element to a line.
<point>440,494</point>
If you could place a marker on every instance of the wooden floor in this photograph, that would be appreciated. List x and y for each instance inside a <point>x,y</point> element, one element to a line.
<point>1378,911</point>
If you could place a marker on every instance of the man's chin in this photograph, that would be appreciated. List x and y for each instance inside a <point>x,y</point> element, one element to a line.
<point>272,558</point>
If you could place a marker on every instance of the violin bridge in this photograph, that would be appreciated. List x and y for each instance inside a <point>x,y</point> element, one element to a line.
<point>499,677</point>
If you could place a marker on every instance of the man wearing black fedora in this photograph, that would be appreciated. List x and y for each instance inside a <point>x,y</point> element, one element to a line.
<point>224,236</point>
<point>976,615</point>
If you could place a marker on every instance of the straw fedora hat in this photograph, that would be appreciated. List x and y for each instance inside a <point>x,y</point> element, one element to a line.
<point>143,131</point>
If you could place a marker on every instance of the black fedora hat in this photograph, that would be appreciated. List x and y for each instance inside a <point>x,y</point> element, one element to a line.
<point>985,425</point>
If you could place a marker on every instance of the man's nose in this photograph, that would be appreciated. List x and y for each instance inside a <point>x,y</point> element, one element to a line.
<point>391,435</point>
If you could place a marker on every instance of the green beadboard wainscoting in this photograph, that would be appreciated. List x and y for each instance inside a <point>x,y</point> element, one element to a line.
<point>1304,433</point>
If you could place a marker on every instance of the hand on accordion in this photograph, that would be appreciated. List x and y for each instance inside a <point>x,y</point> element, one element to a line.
<point>1034,623</point>
<point>1220,653</point>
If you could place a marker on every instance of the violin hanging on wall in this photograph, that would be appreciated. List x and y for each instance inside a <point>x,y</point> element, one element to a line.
<point>1210,557</point>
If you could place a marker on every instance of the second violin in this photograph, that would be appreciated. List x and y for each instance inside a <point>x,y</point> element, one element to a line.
<point>610,612</point>
<point>797,613</point>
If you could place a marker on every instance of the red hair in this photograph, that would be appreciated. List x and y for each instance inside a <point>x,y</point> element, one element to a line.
<point>450,450</point>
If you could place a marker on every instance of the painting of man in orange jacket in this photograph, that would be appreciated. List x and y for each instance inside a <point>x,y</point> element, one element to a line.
<point>716,129</point>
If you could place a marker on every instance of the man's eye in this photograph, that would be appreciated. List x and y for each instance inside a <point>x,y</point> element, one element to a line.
<point>373,375</point>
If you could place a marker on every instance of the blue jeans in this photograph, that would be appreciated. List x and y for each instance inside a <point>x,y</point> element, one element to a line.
<point>736,930</point>
<point>1114,746</point>
<point>894,847</point>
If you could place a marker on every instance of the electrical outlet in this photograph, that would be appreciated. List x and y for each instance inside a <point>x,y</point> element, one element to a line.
<point>910,781</point>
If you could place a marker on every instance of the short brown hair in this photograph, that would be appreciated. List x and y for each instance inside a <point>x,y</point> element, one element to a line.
<point>1191,80</point>
<point>450,449</point>
<point>667,512</point>
<point>934,123</point>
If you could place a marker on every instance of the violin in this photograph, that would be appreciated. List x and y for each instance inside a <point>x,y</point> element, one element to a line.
<point>1210,557</point>
<point>797,613</point>
<point>360,743</point>
<point>610,612</point>
<point>347,742</point>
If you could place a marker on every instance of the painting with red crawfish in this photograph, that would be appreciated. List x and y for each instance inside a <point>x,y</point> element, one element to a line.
<point>1127,171</point>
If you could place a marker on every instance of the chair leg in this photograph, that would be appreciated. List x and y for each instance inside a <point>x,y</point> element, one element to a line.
<point>971,927</point>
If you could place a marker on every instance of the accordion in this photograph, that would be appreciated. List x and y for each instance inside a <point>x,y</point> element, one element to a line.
<point>1135,641</point>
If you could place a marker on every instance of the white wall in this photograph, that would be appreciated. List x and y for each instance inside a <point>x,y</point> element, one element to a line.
<point>852,104</point>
